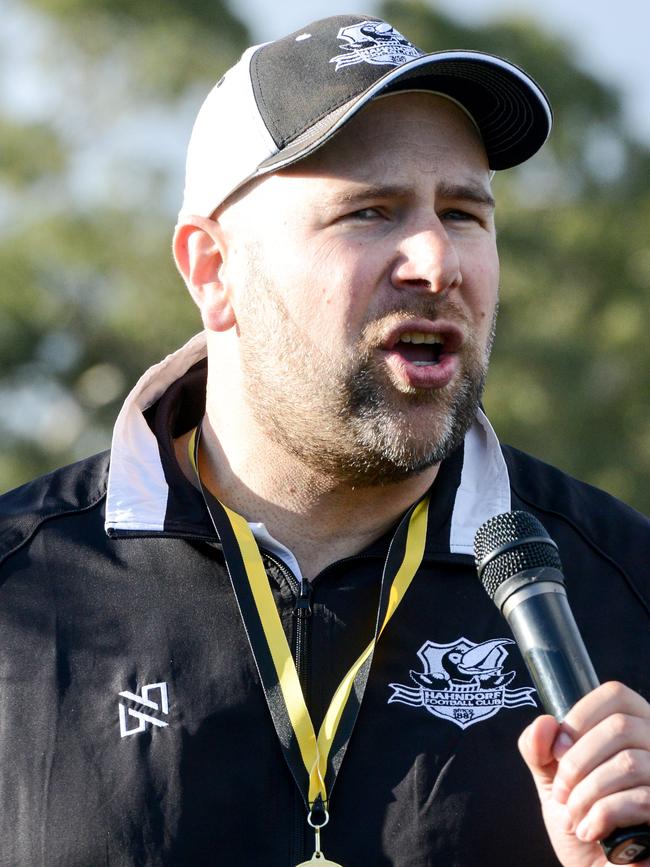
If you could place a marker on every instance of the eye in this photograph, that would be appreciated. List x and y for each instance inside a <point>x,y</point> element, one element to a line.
<point>364,214</point>
<point>457,215</point>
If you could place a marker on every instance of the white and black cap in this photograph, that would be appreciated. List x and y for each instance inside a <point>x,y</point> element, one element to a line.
<point>285,99</point>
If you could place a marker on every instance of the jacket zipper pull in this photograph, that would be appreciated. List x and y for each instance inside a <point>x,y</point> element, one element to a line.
<point>303,601</point>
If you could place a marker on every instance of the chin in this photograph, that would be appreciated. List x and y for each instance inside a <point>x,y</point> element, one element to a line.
<point>391,452</point>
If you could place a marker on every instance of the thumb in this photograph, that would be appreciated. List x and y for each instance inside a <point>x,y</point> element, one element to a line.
<point>541,746</point>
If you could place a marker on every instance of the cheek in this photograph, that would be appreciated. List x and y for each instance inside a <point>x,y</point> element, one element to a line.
<point>336,298</point>
<point>483,291</point>
<point>326,286</point>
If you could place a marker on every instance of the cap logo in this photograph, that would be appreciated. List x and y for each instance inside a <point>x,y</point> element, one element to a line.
<point>373,42</point>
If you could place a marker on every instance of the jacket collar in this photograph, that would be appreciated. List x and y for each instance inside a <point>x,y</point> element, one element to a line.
<point>137,494</point>
<point>138,497</point>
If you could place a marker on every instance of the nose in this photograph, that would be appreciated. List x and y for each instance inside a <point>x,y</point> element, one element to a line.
<point>427,260</point>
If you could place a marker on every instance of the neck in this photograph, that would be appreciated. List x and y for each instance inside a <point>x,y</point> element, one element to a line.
<point>318,518</point>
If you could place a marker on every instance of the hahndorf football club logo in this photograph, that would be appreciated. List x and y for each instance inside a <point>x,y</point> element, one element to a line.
<point>463,682</point>
<point>373,42</point>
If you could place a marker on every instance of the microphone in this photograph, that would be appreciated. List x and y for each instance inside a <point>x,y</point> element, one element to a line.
<point>520,568</point>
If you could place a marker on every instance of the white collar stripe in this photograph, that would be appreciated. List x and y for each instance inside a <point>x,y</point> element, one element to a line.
<point>484,489</point>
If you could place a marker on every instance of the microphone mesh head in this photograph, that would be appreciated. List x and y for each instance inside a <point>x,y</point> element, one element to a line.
<point>525,543</point>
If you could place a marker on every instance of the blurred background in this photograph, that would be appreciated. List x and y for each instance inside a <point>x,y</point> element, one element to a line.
<point>98,98</point>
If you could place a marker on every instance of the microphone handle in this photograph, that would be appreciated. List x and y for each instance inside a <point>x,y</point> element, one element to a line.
<point>551,645</point>
<point>555,655</point>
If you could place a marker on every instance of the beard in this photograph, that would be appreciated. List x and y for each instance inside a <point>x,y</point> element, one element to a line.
<point>344,417</point>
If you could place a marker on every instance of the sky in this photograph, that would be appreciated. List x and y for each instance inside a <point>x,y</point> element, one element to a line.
<point>610,36</point>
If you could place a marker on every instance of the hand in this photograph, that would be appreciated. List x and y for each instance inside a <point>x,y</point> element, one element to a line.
<point>592,772</point>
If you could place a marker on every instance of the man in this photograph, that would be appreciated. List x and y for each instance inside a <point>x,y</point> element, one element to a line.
<point>274,592</point>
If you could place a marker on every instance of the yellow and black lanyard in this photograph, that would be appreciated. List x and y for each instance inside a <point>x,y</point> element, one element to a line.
<point>314,760</point>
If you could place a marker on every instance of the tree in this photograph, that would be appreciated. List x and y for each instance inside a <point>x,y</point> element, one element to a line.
<point>89,294</point>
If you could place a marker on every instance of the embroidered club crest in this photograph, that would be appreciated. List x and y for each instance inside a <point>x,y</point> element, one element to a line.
<point>463,682</point>
<point>373,42</point>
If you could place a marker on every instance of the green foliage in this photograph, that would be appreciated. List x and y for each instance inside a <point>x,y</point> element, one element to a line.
<point>88,302</point>
<point>29,152</point>
<point>165,45</point>
<point>89,294</point>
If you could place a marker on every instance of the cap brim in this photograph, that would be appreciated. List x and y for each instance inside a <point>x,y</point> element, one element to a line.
<point>511,111</point>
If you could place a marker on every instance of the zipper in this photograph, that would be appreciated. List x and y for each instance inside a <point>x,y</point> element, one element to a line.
<point>302,613</point>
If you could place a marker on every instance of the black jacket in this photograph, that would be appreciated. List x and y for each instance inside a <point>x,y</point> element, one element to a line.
<point>133,728</point>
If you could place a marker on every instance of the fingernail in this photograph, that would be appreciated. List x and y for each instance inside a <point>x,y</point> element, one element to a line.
<point>583,832</point>
<point>563,742</point>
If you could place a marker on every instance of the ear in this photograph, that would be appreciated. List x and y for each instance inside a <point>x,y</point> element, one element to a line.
<point>200,251</point>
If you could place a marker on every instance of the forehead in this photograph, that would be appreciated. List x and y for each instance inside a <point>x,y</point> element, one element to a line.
<point>416,141</point>
<point>419,132</point>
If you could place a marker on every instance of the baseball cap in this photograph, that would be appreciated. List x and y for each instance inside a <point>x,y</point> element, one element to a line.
<point>284,99</point>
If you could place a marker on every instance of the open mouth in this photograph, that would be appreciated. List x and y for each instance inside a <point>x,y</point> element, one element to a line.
<point>422,354</point>
<point>420,348</point>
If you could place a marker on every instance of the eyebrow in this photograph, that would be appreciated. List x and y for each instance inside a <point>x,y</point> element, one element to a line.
<point>467,192</point>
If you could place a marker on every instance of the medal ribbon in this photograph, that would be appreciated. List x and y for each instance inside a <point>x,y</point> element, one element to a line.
<point>313,760</point>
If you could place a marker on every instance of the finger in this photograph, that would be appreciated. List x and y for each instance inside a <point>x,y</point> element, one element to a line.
<point>626,770</point>
<point>610,739</point>
<point>619,810</point>
<point>605,700</point>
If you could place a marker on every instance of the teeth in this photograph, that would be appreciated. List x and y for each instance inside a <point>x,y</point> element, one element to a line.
<point>420,337</point>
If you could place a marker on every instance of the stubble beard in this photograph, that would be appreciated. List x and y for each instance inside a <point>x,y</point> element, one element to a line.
<point>391,443</point>
<point>346,419</point>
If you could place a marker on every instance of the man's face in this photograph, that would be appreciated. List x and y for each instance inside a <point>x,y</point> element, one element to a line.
<point>364,284</point>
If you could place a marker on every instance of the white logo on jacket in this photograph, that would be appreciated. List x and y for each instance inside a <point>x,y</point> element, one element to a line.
<point>144,700</point>
<point>373,42</point>
<point>463,682</point>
